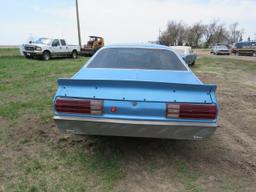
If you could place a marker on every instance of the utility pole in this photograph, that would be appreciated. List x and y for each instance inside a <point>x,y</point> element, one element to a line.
<point>78,24</point>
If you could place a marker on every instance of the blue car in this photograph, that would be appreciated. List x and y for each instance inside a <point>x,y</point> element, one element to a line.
<point>136,91</point>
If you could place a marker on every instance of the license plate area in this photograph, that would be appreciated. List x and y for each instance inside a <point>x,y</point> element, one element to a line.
<point>134,109</point>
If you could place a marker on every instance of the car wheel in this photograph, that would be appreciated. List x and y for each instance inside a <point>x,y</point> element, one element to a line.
<point>74,55</point>
<point>46,56</point>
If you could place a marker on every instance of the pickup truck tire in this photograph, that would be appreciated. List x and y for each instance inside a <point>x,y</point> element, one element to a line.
<point>74,54</point>
<point>46,55</point>
<point>28,57</point>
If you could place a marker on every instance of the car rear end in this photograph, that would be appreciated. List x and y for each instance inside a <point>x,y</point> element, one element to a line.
<point>136,103</point>
<point>136,109</point>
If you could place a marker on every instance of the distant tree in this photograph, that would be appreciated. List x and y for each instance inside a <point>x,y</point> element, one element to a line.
<point>175,33</point>
<point>178,33</point>
<point>235,34</point>
<point>221,34</point>
<point>195,33</point>
<point>215,33</point>
<point>210,32</point>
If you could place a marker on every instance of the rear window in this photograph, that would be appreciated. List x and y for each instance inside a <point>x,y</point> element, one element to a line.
<point>135,58</point>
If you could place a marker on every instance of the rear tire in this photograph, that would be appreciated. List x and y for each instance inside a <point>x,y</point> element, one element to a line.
<point>74,55</point>
<point>46,56</point>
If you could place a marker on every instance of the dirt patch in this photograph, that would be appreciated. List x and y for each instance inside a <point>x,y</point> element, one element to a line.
<point>226,161</point>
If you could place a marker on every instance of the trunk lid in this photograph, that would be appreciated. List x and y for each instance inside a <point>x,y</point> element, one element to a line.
<point>131,90</point>
<point>137,95</point>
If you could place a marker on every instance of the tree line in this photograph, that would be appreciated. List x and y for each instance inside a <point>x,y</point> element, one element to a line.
<point>199,34</point>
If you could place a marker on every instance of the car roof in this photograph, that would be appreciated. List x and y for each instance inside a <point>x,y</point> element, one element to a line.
<point>139,46</point>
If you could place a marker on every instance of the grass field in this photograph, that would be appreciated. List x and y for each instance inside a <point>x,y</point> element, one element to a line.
<point>36,157</point>
<point>36,161</point>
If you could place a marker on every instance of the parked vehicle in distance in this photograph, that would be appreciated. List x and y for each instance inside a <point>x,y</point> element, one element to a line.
<point>186,53</point>
<point>247,48</point>
<point>220,50</point>
<point>46,48</point>
<point>136,91</point>
<point>223,44</point>
<point>92,46</point>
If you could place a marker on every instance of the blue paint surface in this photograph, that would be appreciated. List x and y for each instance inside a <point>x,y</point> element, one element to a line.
<point>138,94</point>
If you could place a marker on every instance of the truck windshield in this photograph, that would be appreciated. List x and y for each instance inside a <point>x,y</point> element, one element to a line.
<point>137,58</point>
<point>222,47</point>
<point>45,41</point>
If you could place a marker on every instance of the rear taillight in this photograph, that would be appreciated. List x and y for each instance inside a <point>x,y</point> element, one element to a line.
<point>192,111</point>
<point>79,106</point>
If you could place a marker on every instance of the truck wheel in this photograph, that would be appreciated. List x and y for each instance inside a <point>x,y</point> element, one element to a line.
<point>28,57</point>
<point>74,55</point>
<point>46,56</point>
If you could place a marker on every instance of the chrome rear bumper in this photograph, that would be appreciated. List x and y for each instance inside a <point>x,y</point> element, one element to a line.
<point>132,128</point>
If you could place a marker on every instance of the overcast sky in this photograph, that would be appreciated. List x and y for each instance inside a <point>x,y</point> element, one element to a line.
<point>119,21</point>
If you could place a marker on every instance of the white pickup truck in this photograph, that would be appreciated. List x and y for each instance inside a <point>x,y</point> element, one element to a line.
<point>46,48</point>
